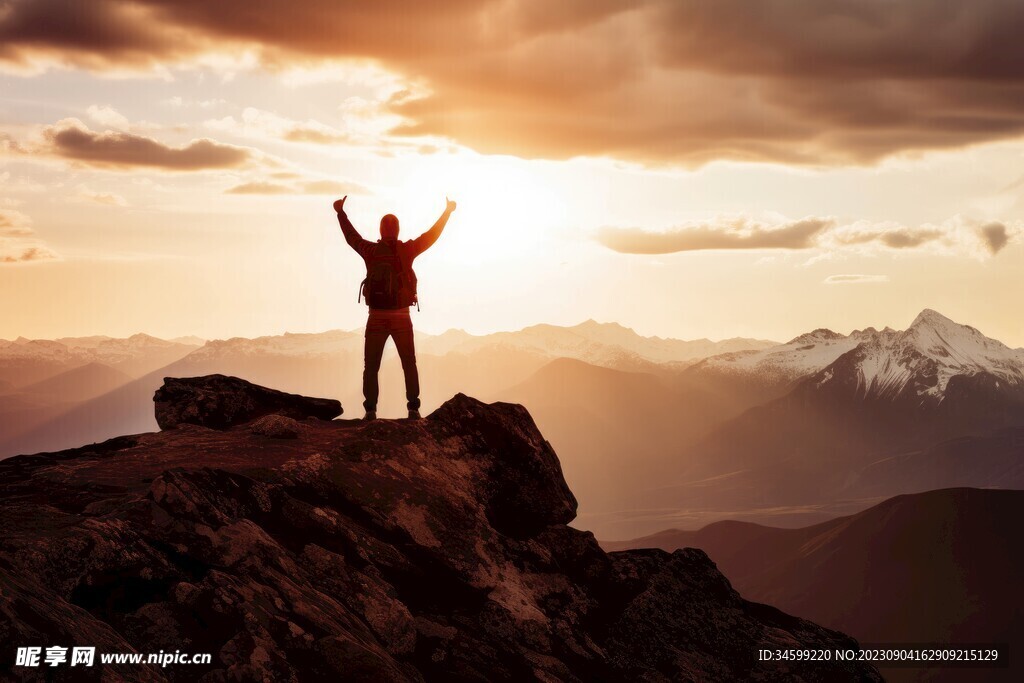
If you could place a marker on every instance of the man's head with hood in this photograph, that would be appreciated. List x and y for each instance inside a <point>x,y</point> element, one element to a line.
<point>389,227</point>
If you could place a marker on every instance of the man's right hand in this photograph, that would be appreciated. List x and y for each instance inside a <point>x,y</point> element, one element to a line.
<point>339,205</point>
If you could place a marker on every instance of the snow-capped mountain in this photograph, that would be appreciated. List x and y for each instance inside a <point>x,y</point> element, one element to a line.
<point>797,358</point>
<point>888,363</point>
<point>920,361</point>
<point>890,396</point>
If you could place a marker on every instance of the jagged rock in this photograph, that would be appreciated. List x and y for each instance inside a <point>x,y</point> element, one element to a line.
<point>276,427</point>
<point>218,401</point>
<point>433,549</point>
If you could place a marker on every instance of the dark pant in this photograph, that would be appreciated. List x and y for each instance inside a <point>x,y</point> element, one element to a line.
<point>379,326</point>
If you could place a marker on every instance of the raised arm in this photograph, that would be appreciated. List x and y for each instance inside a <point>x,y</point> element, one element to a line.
<point>427,239</point>
<point>351,235</point>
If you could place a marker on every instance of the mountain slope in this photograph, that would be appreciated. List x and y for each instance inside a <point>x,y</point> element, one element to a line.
<point>942,566</point>
<point>990,461</point>
<point>780,365</point>
<point>876,363</point>
<point>387,551</point>
<point>24,361</point>
<point>605,344</point>
<point>28,361</point>
<point>616,431</point>
<point>893,393</point>
<point>80,383</point>
<point>923,365</point>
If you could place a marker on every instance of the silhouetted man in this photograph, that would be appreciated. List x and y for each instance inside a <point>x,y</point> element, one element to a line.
<point>389,290</point>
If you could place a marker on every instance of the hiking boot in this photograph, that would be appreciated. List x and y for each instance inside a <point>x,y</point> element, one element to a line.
<point>370,415</point>
<point>414,414</point>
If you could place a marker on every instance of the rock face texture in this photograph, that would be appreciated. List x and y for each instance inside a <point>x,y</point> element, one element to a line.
<point>219,402</point>
<point>433,550</point>
<point>276,427</point>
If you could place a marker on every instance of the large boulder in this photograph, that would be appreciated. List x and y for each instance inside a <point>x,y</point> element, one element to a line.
<point>220,402</point>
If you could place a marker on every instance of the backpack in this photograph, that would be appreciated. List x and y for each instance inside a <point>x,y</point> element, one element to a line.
<point>388,283</point>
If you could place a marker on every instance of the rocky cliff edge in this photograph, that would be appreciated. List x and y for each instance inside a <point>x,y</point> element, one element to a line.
<point>295,548</point>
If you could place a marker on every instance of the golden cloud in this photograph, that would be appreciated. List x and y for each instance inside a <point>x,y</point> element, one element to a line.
<point>957,235</point>
<point>72,140</point>
<point>18,243</point>
<point>656,81</point>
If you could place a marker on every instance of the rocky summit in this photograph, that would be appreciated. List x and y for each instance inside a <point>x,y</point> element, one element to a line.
<point>303,549</point>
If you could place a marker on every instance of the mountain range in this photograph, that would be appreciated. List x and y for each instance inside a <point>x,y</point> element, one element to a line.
<point>315,363</point>
<point>652,432</point>
<point>891,396</point>
<point>23,361</point>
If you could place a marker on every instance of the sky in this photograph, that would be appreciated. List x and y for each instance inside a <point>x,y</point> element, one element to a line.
<point>688,169</point>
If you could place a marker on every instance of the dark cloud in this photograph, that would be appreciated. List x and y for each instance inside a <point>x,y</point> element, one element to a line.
<point>995,236</point>
<point>120,150</point>
<point>133,33</point>
<point>99,34</point>
<point>908,239</point>
<point>740,234</point>
<point>657,81</point>
<point>851,39</point>
<point>889,235</point>
<point>954,236</point>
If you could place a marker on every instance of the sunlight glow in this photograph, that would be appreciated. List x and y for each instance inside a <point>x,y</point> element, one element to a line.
<point>501,201</point>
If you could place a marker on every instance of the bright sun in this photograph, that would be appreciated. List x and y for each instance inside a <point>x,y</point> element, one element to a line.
<point>504,202</point>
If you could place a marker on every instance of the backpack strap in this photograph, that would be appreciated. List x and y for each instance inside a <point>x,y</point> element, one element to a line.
<point>401,264</point>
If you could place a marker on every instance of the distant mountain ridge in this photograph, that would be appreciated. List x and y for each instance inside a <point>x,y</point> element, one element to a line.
<point>24,361</point>
<point>941,566</point>
<point>310,344</point>
<point>784,433</point>
<point>316,363</point>
<point>604,344</point>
